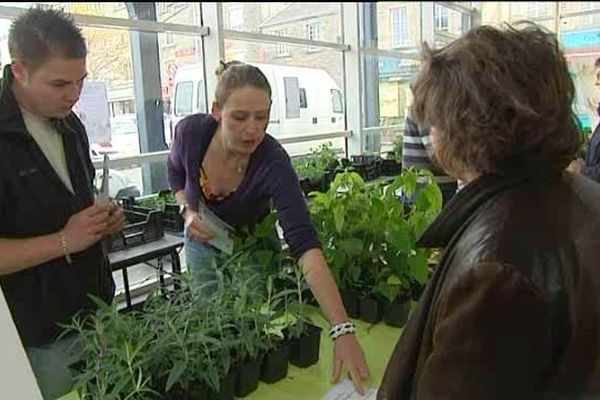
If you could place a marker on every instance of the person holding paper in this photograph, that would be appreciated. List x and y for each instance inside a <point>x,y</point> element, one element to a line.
<point>226,172</point>
<point>51,257</point>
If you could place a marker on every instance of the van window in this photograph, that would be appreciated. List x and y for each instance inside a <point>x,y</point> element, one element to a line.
<point>292,97</point>
<point>184,98</point>
<point>303,102</point>
<point>337,102</point>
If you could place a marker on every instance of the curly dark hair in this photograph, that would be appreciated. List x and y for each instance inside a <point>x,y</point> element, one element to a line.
<point>498,99</point>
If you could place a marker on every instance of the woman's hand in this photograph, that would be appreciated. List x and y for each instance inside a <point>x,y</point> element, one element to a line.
<point>195,228</point>
<point>348,354</point>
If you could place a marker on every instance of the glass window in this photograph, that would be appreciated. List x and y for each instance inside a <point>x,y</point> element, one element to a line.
<point>272,17</point>
<point>170,12</point>
<point>184,97</point>
<point>441,18</point>
<point>303,102</point>
<point>519,10</point>
<point>397,24</point>
<point>236,18</point>
<point>540,9</point>
<point>283,50</point>
<point>313,32</point>
<point>387,98</point>
<point>316,73</point>
<point>400,27</point>
<point>337,102</point>
<point>169,40</point>
<point>450,21</point>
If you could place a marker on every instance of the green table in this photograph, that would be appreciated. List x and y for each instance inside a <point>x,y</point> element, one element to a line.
<point>378,341</point>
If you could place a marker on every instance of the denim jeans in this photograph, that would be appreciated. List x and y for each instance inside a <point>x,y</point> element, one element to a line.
<point>50,364</point>
<point>199,257</point>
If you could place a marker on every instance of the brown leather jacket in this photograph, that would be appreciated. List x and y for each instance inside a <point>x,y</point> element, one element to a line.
<point>513,310</point>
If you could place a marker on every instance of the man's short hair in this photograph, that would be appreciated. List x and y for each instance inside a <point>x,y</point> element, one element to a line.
<point>40,34</point>
<point>597,62</point>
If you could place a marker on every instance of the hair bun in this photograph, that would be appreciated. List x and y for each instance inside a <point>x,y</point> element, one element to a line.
<point>223,66</point>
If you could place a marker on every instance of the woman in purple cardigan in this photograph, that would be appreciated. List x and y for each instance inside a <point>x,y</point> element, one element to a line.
<point>228,162</point>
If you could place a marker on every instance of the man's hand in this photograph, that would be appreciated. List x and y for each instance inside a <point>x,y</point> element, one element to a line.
<point>575,166</point>
<point>349,354</point>
<point>86,228</point>
<point>116,219</point>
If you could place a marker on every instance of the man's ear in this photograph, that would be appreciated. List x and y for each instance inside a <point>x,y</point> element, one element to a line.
<point>19,70</point>
<point>216,111</point>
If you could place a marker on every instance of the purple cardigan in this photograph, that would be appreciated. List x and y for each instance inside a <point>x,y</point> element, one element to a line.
<point>269,177</point>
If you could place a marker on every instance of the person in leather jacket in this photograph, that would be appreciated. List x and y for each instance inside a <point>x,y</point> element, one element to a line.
<point>513,310</point>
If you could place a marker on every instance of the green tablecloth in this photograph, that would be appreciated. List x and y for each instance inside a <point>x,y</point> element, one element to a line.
<point>378,341</point>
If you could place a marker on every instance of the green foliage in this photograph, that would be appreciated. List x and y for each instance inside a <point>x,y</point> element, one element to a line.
<point>314,165</point>
<point>159,201</point>
<point>398,146</point>
<point>195,335</point>
<point>370,237</point>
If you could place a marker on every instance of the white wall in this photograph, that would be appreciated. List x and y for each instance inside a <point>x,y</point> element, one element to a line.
<point>16,377</point>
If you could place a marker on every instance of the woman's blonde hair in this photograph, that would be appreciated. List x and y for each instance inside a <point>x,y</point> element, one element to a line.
<point>235,75</point>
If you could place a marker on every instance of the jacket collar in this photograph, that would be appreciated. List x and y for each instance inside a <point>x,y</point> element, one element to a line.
<point>463,206</point>
<point>10,115</point>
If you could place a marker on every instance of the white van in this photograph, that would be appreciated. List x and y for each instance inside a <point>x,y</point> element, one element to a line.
<point>305,101</point>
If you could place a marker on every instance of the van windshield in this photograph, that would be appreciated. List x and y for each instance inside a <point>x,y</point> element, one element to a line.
<point>184,98</point>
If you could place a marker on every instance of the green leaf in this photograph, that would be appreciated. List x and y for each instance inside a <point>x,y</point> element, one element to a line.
<point>175,374</point>
<point>399,237</point>
<point>394,280</point>
<point>103,306</point>
<point>388,291</point>
<point>434,197</point>
<point>338,216</point>
<point>418,267</point>
<point>351,246</point>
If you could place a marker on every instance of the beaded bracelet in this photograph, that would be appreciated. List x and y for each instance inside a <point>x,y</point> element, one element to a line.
<point>343,328</point>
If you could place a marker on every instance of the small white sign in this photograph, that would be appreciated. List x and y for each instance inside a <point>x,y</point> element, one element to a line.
<point>224,233</point>
<point>345,391</point>
<point>92,109</point>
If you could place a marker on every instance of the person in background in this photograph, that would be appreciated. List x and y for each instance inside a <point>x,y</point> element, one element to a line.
<point>590,167</point>
<point>50,227</point>
<point>226,162</point>
<point>512,311</point>
<point>417,153</point>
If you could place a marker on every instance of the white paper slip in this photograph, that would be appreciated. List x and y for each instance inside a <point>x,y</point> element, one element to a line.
<point>345,391</point>
<point>224,233</point>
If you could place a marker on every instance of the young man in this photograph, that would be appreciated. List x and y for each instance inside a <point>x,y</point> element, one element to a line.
<point>50,227</point>
<point>590,167</point>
